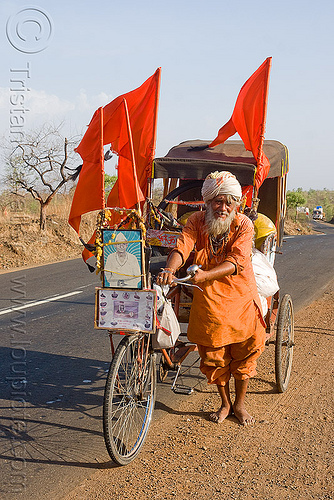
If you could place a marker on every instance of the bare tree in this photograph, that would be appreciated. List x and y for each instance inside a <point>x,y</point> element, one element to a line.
<point>41,165</point>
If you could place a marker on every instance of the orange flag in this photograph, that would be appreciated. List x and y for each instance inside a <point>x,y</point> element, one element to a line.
<point>89,193</point>
<point>129,192</point>
<point>249,119</point>
<point>142,105</point>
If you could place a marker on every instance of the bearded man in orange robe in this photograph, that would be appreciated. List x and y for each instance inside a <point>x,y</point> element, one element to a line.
<point>225,318</point>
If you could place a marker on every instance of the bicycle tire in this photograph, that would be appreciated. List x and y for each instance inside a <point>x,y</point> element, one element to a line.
<point>129,398</point>
<point>284,343</point>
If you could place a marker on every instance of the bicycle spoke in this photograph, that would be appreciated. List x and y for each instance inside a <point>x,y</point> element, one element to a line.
<point>128,408</point>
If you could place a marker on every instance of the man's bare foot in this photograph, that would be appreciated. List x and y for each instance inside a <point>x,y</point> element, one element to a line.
<point>220,415</point>
<point>242,415</point>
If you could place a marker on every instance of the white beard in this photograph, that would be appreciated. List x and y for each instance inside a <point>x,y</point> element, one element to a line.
<point>218,227</point>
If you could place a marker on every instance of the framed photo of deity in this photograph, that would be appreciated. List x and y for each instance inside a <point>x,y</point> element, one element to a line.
<point>125,310</point>
<point>123,259</point>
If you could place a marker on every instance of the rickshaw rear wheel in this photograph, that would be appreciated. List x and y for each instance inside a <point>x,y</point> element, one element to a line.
<point>178,191</point>
<point>284,343</point>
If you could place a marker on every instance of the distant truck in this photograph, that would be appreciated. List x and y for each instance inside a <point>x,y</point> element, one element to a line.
<point>318,213</point>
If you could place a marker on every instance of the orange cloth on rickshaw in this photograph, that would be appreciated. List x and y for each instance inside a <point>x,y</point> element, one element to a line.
<point>227,310</point>
<point>239,360</point>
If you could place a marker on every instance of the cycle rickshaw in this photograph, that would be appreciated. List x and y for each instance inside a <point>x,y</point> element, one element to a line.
<point>131,383</point>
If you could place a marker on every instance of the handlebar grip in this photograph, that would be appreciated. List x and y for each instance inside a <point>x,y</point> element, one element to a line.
<point>191,271</point>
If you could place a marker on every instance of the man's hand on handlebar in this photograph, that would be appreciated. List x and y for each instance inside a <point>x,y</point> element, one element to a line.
<point>194,275</point>
<point>166,277</point>
<point>199,277</point>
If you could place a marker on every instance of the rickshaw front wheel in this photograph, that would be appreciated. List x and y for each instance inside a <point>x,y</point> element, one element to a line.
<point>284,343</point>
<point>129,398</point>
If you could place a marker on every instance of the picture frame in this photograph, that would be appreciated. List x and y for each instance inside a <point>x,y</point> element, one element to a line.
<point>125,310</point>
<point>123,259</point>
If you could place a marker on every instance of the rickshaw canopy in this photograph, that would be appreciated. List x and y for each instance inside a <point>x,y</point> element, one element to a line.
<point>189,160</point>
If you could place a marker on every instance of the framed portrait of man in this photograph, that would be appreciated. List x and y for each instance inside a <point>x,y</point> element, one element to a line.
<point>123,259</point>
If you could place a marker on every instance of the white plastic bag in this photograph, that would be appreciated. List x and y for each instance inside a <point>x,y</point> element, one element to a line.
<point>265,274</point>
<point>265,277</point>
<point>168,327</point>
<point>264,305</point>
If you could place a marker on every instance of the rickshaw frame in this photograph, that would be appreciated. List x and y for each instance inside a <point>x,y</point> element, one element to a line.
<point>131,387</point>
<point>186,166</point>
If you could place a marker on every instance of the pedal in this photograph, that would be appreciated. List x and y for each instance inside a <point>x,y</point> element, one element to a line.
<point>182,389</point>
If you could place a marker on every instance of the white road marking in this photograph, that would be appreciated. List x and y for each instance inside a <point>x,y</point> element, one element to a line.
<point>39,302</point>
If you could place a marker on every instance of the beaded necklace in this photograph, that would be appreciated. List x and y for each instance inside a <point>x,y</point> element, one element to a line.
<point>217,246</point>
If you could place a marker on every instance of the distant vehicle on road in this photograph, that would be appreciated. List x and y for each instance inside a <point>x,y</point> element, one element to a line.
<point>318,213</point>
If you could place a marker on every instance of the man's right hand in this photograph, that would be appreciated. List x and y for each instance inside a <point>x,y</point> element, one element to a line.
<point>166,277</point>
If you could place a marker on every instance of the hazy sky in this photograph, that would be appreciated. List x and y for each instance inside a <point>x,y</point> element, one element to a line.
<point>94,51</point>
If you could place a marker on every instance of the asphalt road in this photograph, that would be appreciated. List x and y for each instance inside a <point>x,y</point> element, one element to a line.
<point>305,266</point>
<point>53,366</point>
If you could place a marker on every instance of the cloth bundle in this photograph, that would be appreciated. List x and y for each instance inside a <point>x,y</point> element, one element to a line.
<point>265,277</point>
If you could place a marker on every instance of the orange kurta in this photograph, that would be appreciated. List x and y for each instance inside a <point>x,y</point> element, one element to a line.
<point>227,311</point>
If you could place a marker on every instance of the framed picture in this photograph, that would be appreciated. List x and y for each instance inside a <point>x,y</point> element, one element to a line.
<point>128,310</point>
<point>123,259</point>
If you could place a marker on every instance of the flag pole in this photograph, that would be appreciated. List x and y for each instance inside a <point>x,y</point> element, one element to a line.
<point>155,123</point>
<point>263,124</point>
<point>156,104</point>
<point>133,161</point>
<point>102,159</point>
<point>259,159</point>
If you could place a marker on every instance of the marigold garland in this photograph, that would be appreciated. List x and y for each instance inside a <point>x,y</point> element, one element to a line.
<point>132,217</point>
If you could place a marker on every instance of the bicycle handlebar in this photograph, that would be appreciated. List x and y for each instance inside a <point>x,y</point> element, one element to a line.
<point>190,274</point>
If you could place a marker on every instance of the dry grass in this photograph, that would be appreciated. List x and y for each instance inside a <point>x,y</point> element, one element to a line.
<point>23,244</point>
<point>292,227</point>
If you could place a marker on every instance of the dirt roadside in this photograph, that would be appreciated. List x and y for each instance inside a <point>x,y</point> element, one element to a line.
<point>24,245</point>
<point>287,454</point>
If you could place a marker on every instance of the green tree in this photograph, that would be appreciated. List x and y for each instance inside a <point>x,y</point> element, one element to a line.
<point>109,181</point>
<point>295,199</point>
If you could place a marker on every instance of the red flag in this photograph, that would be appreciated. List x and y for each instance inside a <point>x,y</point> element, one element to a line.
<point>129,192</point>
<point>249,118</point>
<point>89,193</point>
<point>142,104</point>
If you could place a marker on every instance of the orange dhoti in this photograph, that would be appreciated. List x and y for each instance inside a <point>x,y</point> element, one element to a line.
<point>239,360</point>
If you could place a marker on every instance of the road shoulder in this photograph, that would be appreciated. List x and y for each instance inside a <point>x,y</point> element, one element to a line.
<point>285,455</point>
